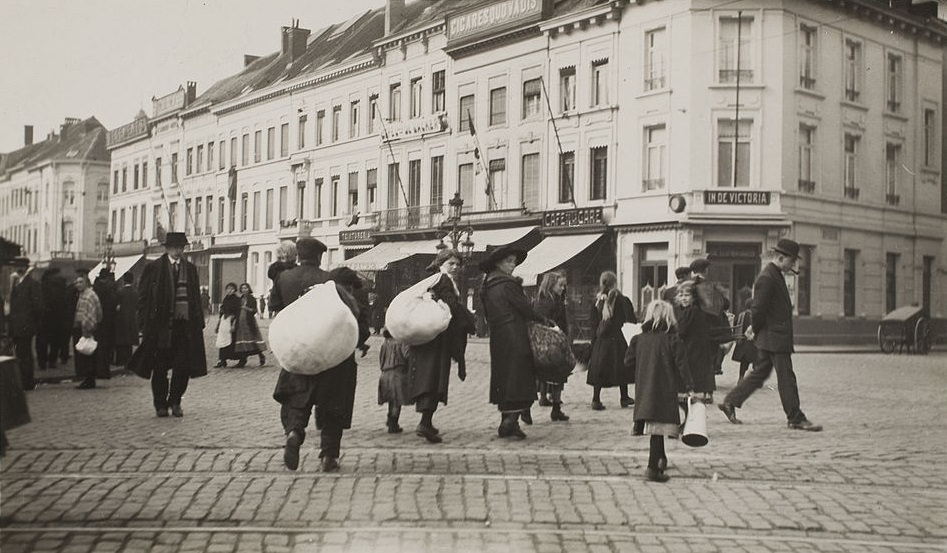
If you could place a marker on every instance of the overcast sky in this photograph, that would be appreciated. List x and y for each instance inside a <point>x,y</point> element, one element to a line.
<point>107,58</point>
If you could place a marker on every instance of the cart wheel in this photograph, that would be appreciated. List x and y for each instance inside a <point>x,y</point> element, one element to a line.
<point>886,344</point>
<point>922,336</point>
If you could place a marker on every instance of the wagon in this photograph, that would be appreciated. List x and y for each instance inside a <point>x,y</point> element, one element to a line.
<point>905,327</point>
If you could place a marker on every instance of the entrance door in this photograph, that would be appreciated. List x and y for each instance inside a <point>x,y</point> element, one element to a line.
<point>734,267</point>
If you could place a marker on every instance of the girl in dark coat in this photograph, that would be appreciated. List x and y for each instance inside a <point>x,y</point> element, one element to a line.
<point>247,339</point>
<point>606,367</point>
<point>429,373</point>
<point>126,323</point>
<point>551,303</point>
<point>393,359</point>
<point>661,376</point>
<point>229,310</point>
<point>507,310</point>
<point>693,327</point>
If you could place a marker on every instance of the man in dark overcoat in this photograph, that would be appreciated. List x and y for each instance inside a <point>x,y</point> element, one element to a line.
<point>54,331</point>
<point>106,289</point>
<point>26,315</point>
<point>507,310</point>
<point>331,392</point>
<point>771,331</point>
<point>172,323</point>
<point>126,319</point>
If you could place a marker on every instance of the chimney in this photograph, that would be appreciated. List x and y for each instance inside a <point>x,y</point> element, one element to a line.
<point>294,40</point>
<point>190,93</point>
<point>394,15</point>
<point>69,121</point>
<point>27,135</point>
<point>248,59</point>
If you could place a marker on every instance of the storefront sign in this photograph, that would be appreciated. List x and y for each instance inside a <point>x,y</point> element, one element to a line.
<point>733,197</point>
<point>583,216</point>
<point>416,127</point>
<point>352,237</point>
<point>493,18</point>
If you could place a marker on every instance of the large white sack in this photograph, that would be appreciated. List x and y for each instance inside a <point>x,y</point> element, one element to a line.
<point>630,330</point>
<point>414,317</point>
<point>314,333</point>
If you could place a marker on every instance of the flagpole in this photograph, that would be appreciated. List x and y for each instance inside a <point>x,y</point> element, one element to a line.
<point>552,119</point>
<point>391,151</point>
<point>478,153</point>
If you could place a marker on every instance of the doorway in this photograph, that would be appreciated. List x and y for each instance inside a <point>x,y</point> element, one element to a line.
<point>734,266</point>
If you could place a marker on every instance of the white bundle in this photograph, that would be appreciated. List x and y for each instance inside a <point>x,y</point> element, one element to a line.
<point>630,330</point>
<point>314,333</point>
<point>414,317</point>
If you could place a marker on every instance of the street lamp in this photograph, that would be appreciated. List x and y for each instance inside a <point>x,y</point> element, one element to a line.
<point>455,234</point>
<point>108,259</point>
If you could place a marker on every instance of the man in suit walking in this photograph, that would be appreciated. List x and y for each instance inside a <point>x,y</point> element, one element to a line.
<point>771,331</point>
<point>172,322</point>
<point>26,314</point>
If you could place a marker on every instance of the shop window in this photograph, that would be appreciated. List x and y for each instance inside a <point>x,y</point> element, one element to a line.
<point>652,273</point>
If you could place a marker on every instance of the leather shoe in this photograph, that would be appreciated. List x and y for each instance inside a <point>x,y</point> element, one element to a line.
<point>558,415</point>
<point>513,430</point>
<point>220,365</point>
<point>597,405</point>
<point>544,402</point>
<point>655,475</point>
<point>627,402</point>
<point>330,464</point>
<point>86,385</point>
<point>730,411</point>
<point>806,424</point>
<point>527,417</point>
<point>177,411</point>
<point>161,411</point>
<point>291,451</point>
<point>428,433</point>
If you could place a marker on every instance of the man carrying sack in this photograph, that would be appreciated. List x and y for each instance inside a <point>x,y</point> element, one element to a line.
<point>771,330</point>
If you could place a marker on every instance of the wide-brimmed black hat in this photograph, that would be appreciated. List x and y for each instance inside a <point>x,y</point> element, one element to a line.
<point>788,247</point>
<point>442,256</point>
<point>175,240</point>
<point>309,248</point>
<point>700,265</point>
<point>497,255</point>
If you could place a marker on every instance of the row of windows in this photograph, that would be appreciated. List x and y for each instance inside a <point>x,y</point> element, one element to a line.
<point>19,198</point>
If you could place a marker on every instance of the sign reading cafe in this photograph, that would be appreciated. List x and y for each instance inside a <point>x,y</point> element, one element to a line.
<point>493,18</point>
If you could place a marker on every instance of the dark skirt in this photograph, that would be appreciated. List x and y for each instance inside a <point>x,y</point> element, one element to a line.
<point>393,387</point>
<point>607,363</point>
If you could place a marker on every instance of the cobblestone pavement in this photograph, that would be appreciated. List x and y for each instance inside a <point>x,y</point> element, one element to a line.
<point>97,471</point>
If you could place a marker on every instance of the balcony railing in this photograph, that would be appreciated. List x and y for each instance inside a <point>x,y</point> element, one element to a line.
<point>807,186</point>
<point>411,218</point>
<point>806,82</point>
<point>892,199</point>
<point>851,192</point>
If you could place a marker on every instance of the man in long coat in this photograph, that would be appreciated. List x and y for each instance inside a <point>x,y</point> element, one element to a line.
<point>172,322</point>
<point>771,331</point>
<point>331,392</point>
<point>126,319</point>
<point>26,314</point>
<point>55,328</point>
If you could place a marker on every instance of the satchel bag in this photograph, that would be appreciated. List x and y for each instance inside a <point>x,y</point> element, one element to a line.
<point>414,317</point>
<point>86,345</point>
<point>552,353</point>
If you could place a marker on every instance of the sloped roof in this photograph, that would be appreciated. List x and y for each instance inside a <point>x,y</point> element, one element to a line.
<point>84,140</point>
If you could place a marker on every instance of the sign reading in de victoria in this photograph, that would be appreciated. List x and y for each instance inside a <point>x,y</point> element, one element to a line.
<point>733,197</point>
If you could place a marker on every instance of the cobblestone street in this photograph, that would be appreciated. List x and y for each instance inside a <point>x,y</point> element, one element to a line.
<point>97,471</point>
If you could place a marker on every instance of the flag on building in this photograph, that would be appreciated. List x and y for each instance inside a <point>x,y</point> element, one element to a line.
<point>232,181</point>
<point>481,166</point>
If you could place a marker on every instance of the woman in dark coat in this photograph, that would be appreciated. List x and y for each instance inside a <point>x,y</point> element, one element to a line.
<point>105,288</point>
<point>229,310</point>
<point>661,377</point>
<point>610,311</point>
<point>286,255</point>
<point>429,370</point>
<point>693,327</point>
<point>126,320</point>
<point>551,303</point>
<point>247,339</point>
<point>507,311</point>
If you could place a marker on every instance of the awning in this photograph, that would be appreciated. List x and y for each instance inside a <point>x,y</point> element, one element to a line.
<point>552,252</point>
<point>379,257</point>
<point>122,265</point>
<point>497,237</point>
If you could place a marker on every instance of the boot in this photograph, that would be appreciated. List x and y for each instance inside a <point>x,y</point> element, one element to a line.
<point>393,427</point>
<point>509,428</point>
<point>428,432</point>
<point>557,414</point>
<point>527,417</point>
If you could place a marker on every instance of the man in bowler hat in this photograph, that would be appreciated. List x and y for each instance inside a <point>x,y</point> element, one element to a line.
<point>172,323</point>
<point>330,393</point>
<point>771,331</point>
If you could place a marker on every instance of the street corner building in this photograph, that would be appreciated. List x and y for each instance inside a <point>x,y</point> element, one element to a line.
<point>597,134</point>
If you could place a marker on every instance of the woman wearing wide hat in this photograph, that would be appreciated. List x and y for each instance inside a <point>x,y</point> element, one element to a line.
<point>429,372</point>
<point>507,309</point>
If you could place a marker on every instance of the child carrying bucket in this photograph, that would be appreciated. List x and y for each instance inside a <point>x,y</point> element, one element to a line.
<point>659,361</point>
<point>392,385</point>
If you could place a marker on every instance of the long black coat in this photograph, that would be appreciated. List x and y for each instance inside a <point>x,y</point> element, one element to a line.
<point>772,311</point>
<point>429,371</point>
<point>55,308</point>
<point>507,309</point>
<point>26,307</point>
<point>333,390</point>
<point>694,329</point>
<point>126,316</point>
<point>661,372</point>
<point>606,362</point>
<point>155,312</point>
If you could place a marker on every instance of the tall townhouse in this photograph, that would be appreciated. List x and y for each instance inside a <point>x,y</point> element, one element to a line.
<point>54,195</point>
<point>747,122</point>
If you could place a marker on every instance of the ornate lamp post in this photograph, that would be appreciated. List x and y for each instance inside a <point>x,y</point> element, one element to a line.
<point>455,234</point>
<point>108,258</point>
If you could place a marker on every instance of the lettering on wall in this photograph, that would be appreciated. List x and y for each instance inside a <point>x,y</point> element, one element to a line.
<point>733,197</point>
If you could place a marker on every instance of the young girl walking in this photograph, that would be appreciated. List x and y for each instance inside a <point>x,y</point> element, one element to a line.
<point>393,360</point>
<point>662,379</point>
